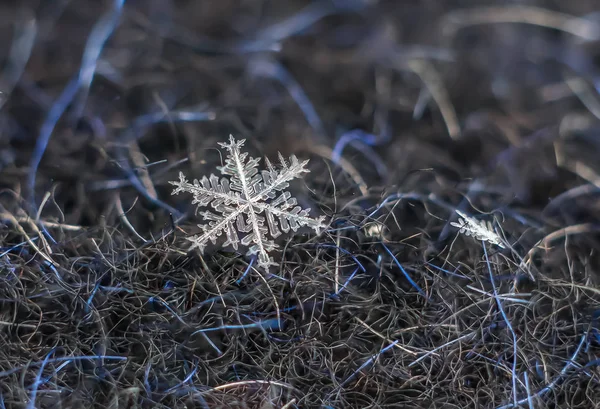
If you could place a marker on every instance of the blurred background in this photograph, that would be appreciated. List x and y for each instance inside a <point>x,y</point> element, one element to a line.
<point>92,89</point>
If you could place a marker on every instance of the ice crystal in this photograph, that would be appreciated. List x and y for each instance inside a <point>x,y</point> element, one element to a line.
<point>479,230</point>
<point>243,202</point>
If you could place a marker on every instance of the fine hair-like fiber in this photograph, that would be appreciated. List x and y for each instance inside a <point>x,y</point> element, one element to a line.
<point>447,151</point>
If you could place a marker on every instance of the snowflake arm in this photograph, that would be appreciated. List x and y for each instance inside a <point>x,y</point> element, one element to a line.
<point>274,180</point>
<point>290,216</point>
<point>242,179</point>
<point>258,240</point>
<point>217,224</point>
<point>244,175</point>
<point>479,230</point>
<point>208,191</point>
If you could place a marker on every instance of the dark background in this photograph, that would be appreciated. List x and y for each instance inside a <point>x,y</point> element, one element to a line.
<point>407,110</point>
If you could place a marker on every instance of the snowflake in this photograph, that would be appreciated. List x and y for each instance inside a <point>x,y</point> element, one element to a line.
<point>239,201</point>
<point>480,230</point>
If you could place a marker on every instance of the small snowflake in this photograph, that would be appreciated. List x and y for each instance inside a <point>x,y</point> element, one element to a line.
<point>479,230</point>
<point>239,201</point>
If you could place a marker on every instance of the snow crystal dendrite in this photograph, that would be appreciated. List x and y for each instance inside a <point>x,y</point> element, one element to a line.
<point>479,230</point>
<point>244,201</point>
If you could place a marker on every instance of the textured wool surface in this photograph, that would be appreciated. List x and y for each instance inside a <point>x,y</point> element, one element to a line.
<point>453,154</point>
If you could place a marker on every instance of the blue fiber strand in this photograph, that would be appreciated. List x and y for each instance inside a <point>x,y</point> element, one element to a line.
<point>410,280</point>
<point>36,383</point>
<point>508,324</point>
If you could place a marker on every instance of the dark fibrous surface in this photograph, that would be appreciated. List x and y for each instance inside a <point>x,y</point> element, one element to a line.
<point>407,110</point>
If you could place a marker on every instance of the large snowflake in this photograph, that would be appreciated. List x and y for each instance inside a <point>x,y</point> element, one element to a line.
<point>243,203</point>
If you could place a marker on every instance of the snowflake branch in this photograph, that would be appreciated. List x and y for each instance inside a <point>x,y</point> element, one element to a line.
<point>278,180</point>
<point>203,193</point>
<point>480,230</point>
<point>244,172</point>
<point>214,229</point>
